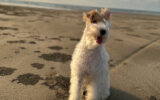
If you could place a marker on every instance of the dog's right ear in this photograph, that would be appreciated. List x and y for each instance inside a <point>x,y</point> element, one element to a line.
<point>106,13</point>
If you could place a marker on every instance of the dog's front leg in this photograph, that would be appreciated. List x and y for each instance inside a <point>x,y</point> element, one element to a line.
<point>92,91</point>
<point>75,88</point>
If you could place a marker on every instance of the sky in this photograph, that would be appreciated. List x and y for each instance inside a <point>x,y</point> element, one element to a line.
<point>149,5</point>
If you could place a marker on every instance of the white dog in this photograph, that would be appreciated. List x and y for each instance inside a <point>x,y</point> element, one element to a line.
<point>89,65</point>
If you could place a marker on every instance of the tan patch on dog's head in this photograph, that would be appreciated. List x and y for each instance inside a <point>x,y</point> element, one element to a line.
<point>92,16</point>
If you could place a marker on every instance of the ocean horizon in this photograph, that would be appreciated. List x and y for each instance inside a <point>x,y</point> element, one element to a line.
<point>46,5</point>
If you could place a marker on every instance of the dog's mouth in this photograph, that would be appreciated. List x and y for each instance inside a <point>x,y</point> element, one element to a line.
<point>99,39</point>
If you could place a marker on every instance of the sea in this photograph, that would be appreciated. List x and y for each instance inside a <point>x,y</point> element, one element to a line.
<point>70,7</point>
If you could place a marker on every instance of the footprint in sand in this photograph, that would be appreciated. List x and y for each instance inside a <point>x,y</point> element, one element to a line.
<point>16,41</point>
<point>58,83</point>
<point>37,51</point>
<point>8,28</point>
<point>153,98</point>
<point>55,47</point>
<point>37,65</point>
<point>6,71</point>
<point>16,52</point>
<point>118,39</point>
<point>55,39</point>
<point>32,42</point>
<point>74,39</point>
<point>28,79</point>
<point>22,47</point>
<point>57,57</point>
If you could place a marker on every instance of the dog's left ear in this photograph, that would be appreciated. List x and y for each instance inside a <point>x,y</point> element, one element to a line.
<point>85,16</point>
<point>106,13</point>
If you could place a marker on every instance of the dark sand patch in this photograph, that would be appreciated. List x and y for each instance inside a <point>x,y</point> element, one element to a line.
<point>124,63</point>
<point>118,39</point>
<point>8,28</point>
<point>51,67</point>
<point>6,71</point>
<point>47,21</point>
<point>156,34</point>
<point>58,83</point>
<point>32,20</point>
<point>37,65</point>
<point>111,63</point>
<point>32,42</point>
<point>74,39</point>
<point>28,79</point>
<point>134,35</point>
<point>22,47</point>
<point>5,34</point>
<point>150,27</point>
<point>62,36</point>
<point>55,47</point>
<point>17,51</point>
<point>4,19</point>
<point>66,48</point>
<point>153,98</point>
<point>37,51</point>
<point>14,13</point>
<point>47,15</point>
<point>4,57</point>
<point>57,57</point>
<point>39,39</point>
<point>56,39</point>
<point>16,41</point>
<point>36,38</point>
<point>116,94</point>
<point>128,29</point>
<point>33,36</point>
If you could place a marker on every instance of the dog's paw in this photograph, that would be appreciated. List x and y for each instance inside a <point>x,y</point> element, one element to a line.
<point>74,98</point>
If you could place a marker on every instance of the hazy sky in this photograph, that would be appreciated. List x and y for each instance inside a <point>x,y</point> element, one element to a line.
<point>151,5</point>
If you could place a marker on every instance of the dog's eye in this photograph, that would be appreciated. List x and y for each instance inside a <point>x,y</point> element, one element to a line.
<point>94,21</point>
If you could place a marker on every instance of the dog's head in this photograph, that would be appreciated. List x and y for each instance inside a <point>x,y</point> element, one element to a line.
<point>97,27</point>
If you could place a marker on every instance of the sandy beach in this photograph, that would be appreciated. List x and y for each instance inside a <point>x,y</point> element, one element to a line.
<point>37,45</point>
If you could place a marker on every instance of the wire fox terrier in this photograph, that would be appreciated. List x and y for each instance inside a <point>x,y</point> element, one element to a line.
<point>89,65</point>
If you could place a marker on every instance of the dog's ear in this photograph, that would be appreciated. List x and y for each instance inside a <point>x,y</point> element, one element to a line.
<point>90,16</point>
<point>106,13</point>
<point>86,16</point>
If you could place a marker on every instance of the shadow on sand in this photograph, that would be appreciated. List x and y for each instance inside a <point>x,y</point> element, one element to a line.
<point>62,83</point>
<point>117,94</point>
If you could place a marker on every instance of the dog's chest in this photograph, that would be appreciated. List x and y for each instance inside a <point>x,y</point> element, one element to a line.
<point>91,60</point>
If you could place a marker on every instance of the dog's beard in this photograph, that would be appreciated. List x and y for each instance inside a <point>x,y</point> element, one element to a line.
<point>91,43</point>
<point>95,41</point>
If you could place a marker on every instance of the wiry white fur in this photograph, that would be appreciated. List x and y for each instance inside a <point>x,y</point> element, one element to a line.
<point>89,65</point>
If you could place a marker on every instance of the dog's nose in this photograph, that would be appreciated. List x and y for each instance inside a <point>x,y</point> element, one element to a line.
<point>102,31</point>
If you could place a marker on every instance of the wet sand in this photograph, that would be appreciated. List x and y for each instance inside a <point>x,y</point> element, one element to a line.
<point>37,44</point>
